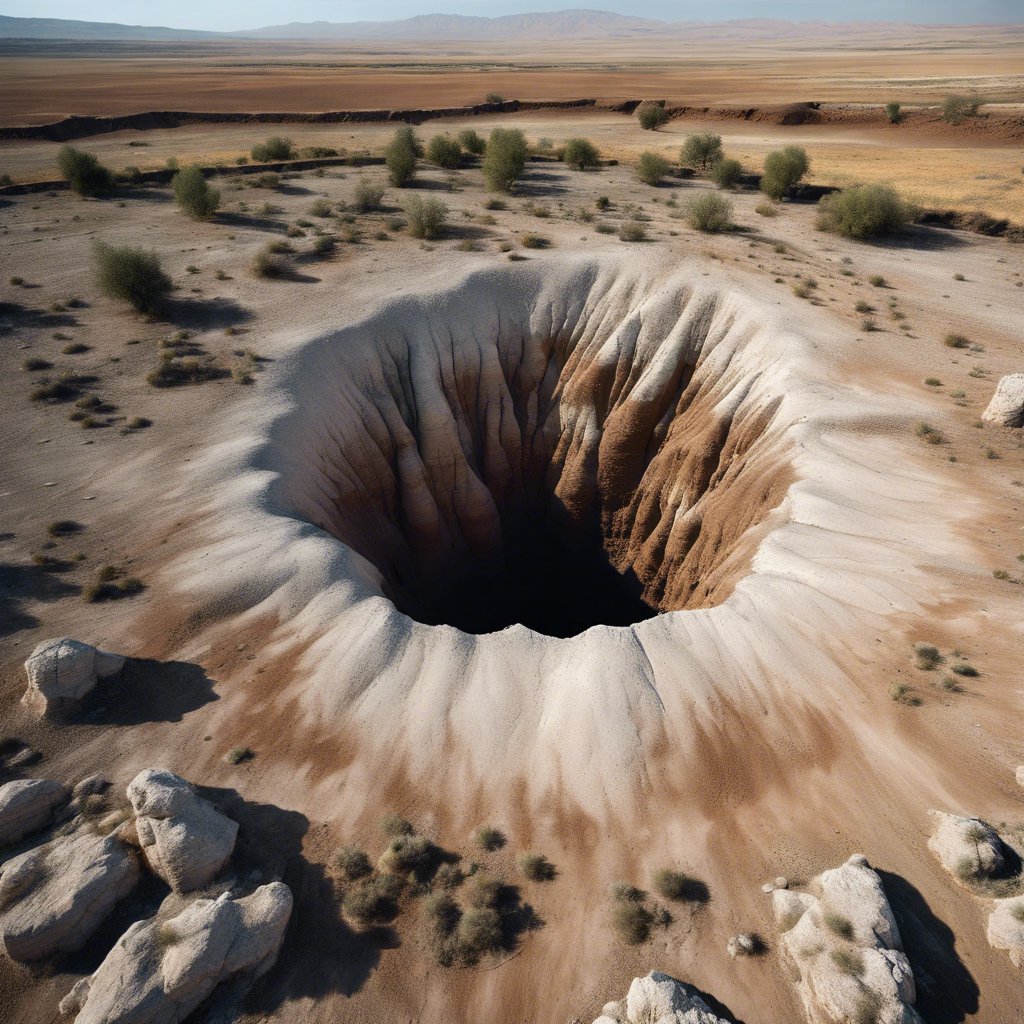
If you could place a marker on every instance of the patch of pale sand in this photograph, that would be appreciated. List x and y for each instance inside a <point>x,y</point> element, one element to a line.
<point>776,762</point>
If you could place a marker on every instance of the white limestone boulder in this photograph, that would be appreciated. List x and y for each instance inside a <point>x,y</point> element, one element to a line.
<point>53,897</point>
<point>845,948</point>
<point>1006,928</point>
<point>183,837</point>
<point>26,805</point>
<point>968,848</point>
<point>658,999</point>
<point>1007,405</point>
<point>160,971</point>
<point>62,672</point>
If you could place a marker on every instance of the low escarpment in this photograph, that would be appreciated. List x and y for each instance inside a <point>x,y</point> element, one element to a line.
<point>594,468</point>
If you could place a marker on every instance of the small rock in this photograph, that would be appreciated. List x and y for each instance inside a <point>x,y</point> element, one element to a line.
<point>1020,775</point>
<point>61,672</point>
<point>26,805</point>
<point>781,882</point>
<point>22,757</point>
<point>768,887</point>
<point>968,848</point>
<point>1006,928</point>
<point>1007,405</point>
<point>659,999</point>
<point>741,945</point>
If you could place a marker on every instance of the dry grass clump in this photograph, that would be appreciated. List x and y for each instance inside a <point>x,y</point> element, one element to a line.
<point>65,388</point>
<point>631,231</point>
<point>238,755</point>
<point>272,262</point>
<point>353,863</point>
<point>35,363</point>
<point>928,433</point>
<point>174,371</point>
<point>632,922</point>
<point>395,825</point>
<point>408,854</point>
<point>530,240</point>
<point>373,900</point>
<point>901,693</point>
<point>767,210</point>
<point>537,868</point>
<point>954,340</point>
<point>678,886</point>
<point>426,217</point>
<point>927,656</point>
<point>111,584</point>
<point>489,838</point>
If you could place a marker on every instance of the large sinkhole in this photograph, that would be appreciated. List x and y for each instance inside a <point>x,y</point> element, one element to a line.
<point>559,461</point>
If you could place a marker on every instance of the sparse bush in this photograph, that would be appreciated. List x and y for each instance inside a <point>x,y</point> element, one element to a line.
<point>877,281</point>
<point>36,364</point>
<point>400,156</point>
<point>483,891</point>
<point>373,901</point>
<point>955,341</point>
<point>956,108</point>
<point>471,142</point>
<point>651,168</point>
<point>319,208</point>
<point>367,196</point>
<point>632,231</point>
<point>352,863</point>
<point>727,173</point>
<point>632,921</point>
<point>626,892</point>
<point>767,209</point>
<point>426,217</point>
<point>277,147</point>
<point>267,180</point>
<point>709,212</point>
<point>961,668</point>
<point>239,754</point>
<point>864,211</point>
<point>783,168</point>
<point>489,838</point>
<point>903,694</point>
<point>194,194</point>
<point>651,115</point>
<point>449,876</point>
<point>673,885</point>
<point>479,930</point>
<point>536,867</point>
<point>494,97</point>
<point>927,656</point>
<point>395,825</point>
<point>111,583</point>
<point>928,433</point>
<point>83,172</point>
<point>444,151</point>
<point>271,263</point>
<point>892,112</point>
<point>504,158</point>
<point>132,275</point>
<point>703,150</point>
<point>602,202</point>
<point>324,245</point>
<point>529,240</point>
<point>581,154</point>
<point>408,854</point>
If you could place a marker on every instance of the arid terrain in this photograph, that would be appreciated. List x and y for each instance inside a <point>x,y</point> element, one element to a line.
<point>775,433</point>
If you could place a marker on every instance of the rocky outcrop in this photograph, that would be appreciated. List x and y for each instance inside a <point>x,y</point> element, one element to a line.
<point>845,948</point>
<point>183,837</point>
<point>1007,405</point>
<point>54,897</point>
<point>1006,928</point>
<point>658,999</point>
<point>160,971</point>
<point>968,848</point>
<point>61,672</point>
<point>26,805</point>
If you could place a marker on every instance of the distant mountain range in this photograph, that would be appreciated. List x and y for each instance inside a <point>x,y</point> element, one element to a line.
<point>570,24</point>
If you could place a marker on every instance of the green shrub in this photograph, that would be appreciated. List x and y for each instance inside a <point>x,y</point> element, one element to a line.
<point>471,142</point>
<point>275,148</point>
<point>956,108</point>
<point>194,194</point>
<point>727,173</point>
<point>864,211</point>
<point>352,863</point>
<point>783,168</point>
<point>483,891</point>
<point>373,901</point>
<point>504,158</point>
<point>651,115</point>
<point>444,151</point>
<point>132,275</point>
<point>426,217</point>
<point>489,838</point>
<point>408,854</point>
<point>400,156</point>
<point>536,867</point>
<point>494,97</point>
<point>709,212</point>
<point>581,154</point>
<point>83,172</point>
<point>892,112</point>
<point>651,168</point>
<point>632,921</point>
<point>368,195</point>
<point>479,930</point>
<point>701,151</point>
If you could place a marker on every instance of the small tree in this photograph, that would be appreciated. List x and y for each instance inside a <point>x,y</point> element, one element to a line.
<point>504,158</point>
<point>471,142</point>
<point>709,212</point>
<point>194,195</point>
<point>131,275</point>
<point>651,168</point>
<point>651,115</point>
<point>400,156</point>
<point>426,217</point>
<point>783,168</point>
<point>727,173</point>
<point>956,108</point>
<point>892,111</point>
<point>277,147</point>
<point>83,172</point>
<point>864,211</point>
<point>444,151</point>
<point>701,151</point>
<point>581,154</point>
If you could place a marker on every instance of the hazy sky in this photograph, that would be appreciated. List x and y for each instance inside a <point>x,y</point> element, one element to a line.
<point>238,14</point>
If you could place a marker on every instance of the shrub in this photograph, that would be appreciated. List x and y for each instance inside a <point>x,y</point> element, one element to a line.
<point>35,363</point>
<point>877,281</point>
<point>963,669</point>
<point>536,867</point>
<point>504,158</point>
<point>483,891</point>
<point>270,262</point>
<point>767,209</point>
<point>928,433</point>
<point>783,168</point>
<point>373,901</point>
<point>927,656</point>
<point>449,876</point>
<point>903,694</point>
<point>892,112</point>
<point>956,108</point>
<point>407,854</point>
<point>581,154</point>
<point>400,156</point>
<point>727,173</point>
<point>132,275</point>
<point>444,151</point>
<point>368,195</point>
<point>275,148</point>
<point>626,892</point>
<point>632,922</point>
<point>602,202</point>
<point>352,863</point>
<point>530,240</point>
<point>632,231</point>
<point>471,142</point>
<point>426,217</point>
<point>267,180</point>
<point>702,150</point>
<point>194,194</point>
<point>651,115</point>
<point>442,913</point>
<point>83,172</point>
<point>864,211</point>
<point>494,97</point>
<point>239,754</point>
<point>319,208</point>
<point>651,168</point>
<point>489,838</point>
<point>955,341</point>
<point>395,825</point>
<point>323,245</point>
<point>479,930</point>
<point>709,212</point>
<point>674,885</point>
